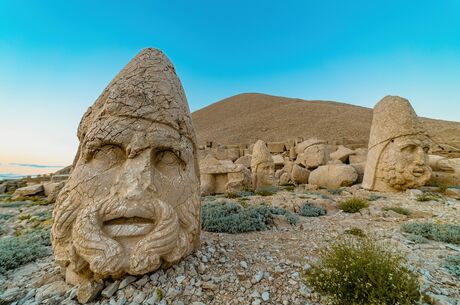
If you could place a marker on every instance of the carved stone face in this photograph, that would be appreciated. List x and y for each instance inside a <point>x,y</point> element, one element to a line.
<point>132,202</point>
<point>404,163</point>
<point>265,175</point>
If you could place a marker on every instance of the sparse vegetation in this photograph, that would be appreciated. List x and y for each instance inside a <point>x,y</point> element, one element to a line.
<point>267,192</point>
<point>5,216</point>
<point>231,195</point>
<point>355,231</point>
<point>398,210</point>
<point>289,187</point>
<point>428,197</point>
<point>335,191</point>
<point>14,204</point>
<point>19,250</point>
<point>361,272</point>
<point>310,210</point>
<point>374,197</point>
<point>353,205</point>
<point>418,239</point>
<point>452,264</point>
<point>233,218</point>
<point>449,233</point>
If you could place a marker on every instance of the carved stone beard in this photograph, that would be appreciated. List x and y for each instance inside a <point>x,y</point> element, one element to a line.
<point>165,244</point>
<point>400,175</point>
<point>172,237</point>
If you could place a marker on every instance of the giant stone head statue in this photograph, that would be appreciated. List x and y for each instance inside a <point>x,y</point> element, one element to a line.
<point>397,158</point>
<point>131,204</point>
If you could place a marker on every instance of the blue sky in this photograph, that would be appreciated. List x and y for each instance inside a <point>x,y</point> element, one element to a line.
<point>57,56</point>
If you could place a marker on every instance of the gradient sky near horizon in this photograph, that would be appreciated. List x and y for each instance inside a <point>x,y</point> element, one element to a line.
<point>56,57</point>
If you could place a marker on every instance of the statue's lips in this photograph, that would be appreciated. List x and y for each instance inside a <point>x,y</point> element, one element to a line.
<point>128,226</point>
<point>417,172</point>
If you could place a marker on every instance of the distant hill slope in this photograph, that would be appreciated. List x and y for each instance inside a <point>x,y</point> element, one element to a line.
<point>245,118</point>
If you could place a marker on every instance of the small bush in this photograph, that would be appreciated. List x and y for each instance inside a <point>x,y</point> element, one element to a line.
<point>374,197</point>
<point>232,218</point>
<point>428,197</point>
<point>452,264</point>
<point>231,195</point>
<point>356,232</point>
<point>353,205</point>
<point>335,191</point>
<point>417,239</point>
<point>6,216</point>
<point>19,250</point>
<point>361,272</point>
<point>398,210</point>
<point>310,210</point>
<point>13,204</point>
<point>289,188</point>
<point>267,192</point>
<point>449,233</point>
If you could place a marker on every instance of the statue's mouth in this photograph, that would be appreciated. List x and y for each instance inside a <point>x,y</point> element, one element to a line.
<point>128,226</point>
<point>418,172</point>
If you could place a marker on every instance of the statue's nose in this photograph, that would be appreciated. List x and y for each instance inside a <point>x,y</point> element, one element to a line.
<point>419,156</point>
<point>135,177</point>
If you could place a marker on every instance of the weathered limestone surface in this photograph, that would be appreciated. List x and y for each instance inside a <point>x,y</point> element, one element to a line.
<point>312,153</point>
<point>342,153</point>
<point>52,189</point>
<point>276,147</point>
<point>223,176</point>
<point>132,202</point>
<point>28,190</point>
<point>333,176</point>
<point>397,158</point>
<point>445,171</point>
<point>299,175</point>
<point>244,160</point>
<point>262,167</point>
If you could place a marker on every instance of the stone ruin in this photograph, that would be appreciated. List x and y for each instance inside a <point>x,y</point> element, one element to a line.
<point>223,176</point>
<point>397,157</point>
<point>132,202</point>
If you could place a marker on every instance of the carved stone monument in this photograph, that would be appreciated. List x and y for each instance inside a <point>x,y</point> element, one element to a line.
<point>132,202</point>
<point>262,167</point>
<point>397,157</point>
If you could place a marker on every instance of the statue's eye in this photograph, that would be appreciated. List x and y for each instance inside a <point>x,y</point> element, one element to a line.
<point>108,155</point>
<point>168,162</point>
<point>426,149</point>
<point>409,148</point>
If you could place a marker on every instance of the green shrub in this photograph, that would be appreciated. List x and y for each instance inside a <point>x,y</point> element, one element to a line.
<point>428,197</point>
<point>374,197</point>
<point>353,205</point>
<point>19,250</point>
<point>335,191</point>
<point>232,218</point>
<point>13,204</point>
<point>267,192</point>
<point>5,216</point>
<point>417,239</point>
<point>289,188</point>
<point>43,215</point>
<point>231,195</point>
<point>452,264</point>
<point>449,233</point>
<point>356,232</point>
<point>310,210</point>
<point>398,210</point>
<point>361,272</point>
